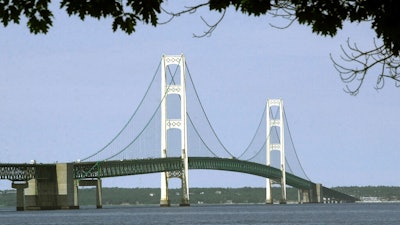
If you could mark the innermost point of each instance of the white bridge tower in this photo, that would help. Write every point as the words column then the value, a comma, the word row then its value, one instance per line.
column 278, row 145
column 169, row 86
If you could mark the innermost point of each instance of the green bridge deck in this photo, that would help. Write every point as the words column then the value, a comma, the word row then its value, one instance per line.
column 144, row 166
column 104, row 169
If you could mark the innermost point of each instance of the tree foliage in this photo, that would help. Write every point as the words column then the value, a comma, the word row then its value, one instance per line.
column 325, row 17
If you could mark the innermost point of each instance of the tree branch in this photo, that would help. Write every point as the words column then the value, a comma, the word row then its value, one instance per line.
column 211, row 27
column 284, row 10
column 360, row 62
column 189, row 9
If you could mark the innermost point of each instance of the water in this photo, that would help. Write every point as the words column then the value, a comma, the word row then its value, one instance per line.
column 308, row 214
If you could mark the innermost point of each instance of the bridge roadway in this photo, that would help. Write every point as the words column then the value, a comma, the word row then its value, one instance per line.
column 144, row 166
column 104, row 169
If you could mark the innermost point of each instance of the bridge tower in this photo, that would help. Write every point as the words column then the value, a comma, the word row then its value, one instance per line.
column 170, row 86
column 278, row 145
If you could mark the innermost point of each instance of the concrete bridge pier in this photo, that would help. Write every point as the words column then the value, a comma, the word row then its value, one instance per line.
column 52, row 188
column 331, row 200
column 97, row 183
column 99, row 195
column 328, row 200
column 313, row 195
column 303, row 196
column 76, row 190
column 20, row 194
column 318, row 196
column 299, row 196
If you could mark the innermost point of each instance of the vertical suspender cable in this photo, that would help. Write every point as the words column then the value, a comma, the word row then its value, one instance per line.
column 291, row 141
column 130, row 119
column 208, row 121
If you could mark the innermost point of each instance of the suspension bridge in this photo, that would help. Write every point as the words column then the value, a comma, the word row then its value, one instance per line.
column 168, row 136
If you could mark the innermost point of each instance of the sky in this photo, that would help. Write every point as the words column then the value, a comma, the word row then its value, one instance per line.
column 65, row 94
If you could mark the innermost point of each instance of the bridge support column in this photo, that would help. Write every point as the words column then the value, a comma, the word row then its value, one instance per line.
column 98, row 185
column 301, row 197
column 164, row 201
column 20, row 194
column 298, row 196
column 304, row 196
column 76, row 196
column 99, row 194
column 268, row 192
column 174, row 86
column 318, row 194
column 65, row 186
column 283, row 192
column 307, row 196
column 184, row 179
column 277, row 146
column 52, row 189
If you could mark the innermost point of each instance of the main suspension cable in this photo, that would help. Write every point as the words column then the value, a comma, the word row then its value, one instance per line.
column 258, row 152
column 198, row 134
column 205, row 114
column 151, row 118
column 255, row 134
column 291, row 141
column 265, row 141
column 130, row 119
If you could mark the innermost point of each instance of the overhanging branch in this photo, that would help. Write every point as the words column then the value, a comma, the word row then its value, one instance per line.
column 357, row 63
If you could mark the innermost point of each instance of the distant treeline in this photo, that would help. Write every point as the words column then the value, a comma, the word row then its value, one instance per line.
column 380, row 193
column 116, row 196
column 135, row 196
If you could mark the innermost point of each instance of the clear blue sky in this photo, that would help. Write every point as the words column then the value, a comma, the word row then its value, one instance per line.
column 65, row 94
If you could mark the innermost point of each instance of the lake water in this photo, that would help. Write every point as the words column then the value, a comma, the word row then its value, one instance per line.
column 308, row 214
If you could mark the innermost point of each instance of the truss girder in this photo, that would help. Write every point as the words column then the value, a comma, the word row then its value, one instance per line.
column 336, row 195
column 144, row 166
column 18, row 172
column 25, row 172
column 126, row 167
